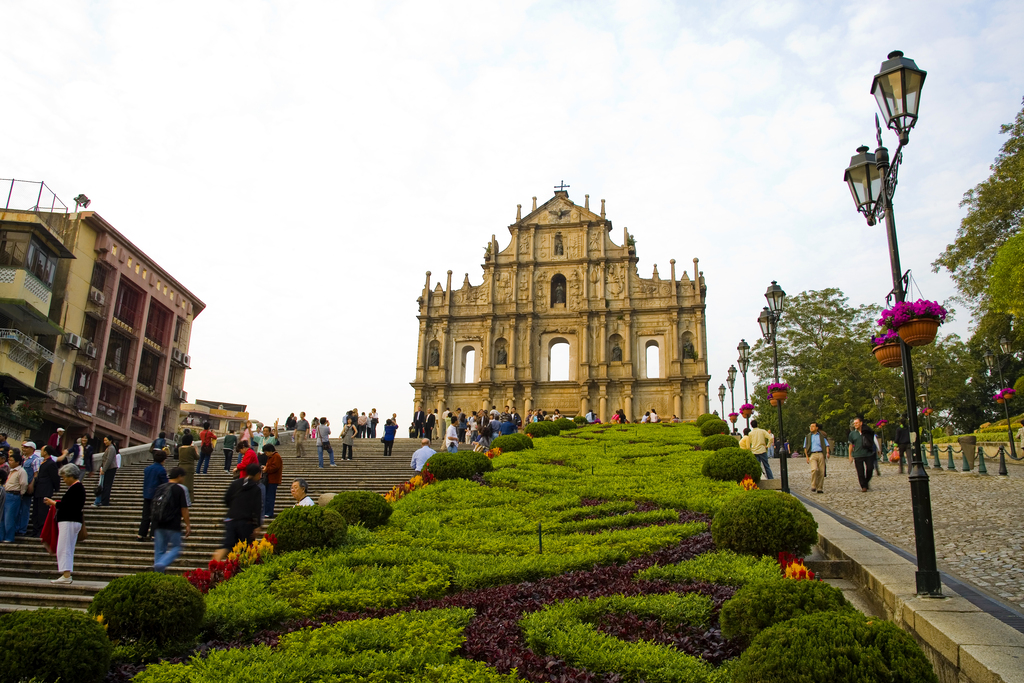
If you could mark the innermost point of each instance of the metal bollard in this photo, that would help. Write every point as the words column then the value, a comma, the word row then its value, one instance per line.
column 935, row 454
column 950, row 465
column 966, row 467
column 981, row 461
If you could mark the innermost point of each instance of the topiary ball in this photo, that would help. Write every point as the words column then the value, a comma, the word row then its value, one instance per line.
column 564, row 423
column 158, row 608
column 716, row 441
column 761, row 604
column 366, row 507
column 53, row 644
column 579, row 420
column 764, row 523
column 512, row 442
column 835, row 647
column 542, row 428
column 462, row 465
column 731, row 464
column 311, row 526
column 715, row 426
column 704, row 418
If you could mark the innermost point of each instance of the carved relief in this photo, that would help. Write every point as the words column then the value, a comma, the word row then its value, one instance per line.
column 575, row 292
column 615, row 282
column 524, row 244
column 503, row 288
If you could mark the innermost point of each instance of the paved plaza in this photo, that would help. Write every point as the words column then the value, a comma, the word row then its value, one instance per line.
column 978, row 534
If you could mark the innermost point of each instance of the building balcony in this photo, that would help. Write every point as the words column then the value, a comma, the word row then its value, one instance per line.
column 19, row 288
column 155, row 346
column 22, row 356
column 123, row 326
column 143, row 388
column 141, row 427
column 109, row 413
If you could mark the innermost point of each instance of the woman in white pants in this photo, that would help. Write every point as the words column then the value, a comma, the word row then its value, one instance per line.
column 69, row 520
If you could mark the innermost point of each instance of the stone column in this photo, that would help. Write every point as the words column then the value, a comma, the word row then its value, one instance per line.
column 628, row 399
column 603, row 410
column 584, row 405
column 677, row 405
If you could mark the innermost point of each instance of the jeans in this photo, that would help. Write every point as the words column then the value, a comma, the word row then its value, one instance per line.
column 763, row 459
column 320, row 448
column 203, row 462
column 228, row 459
column 12, row 515
column 453, row 446
column 147, row 513
column 388, row 445
column 166, row 548
column 271, row 498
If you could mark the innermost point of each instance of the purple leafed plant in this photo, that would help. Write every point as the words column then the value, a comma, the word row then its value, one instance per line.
column 890, row 337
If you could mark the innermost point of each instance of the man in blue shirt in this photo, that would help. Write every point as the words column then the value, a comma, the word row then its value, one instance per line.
column 507, row 427
column 152, row 478
column 421, row 456
column 816, row 449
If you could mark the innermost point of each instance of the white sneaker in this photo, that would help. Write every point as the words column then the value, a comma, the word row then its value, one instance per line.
column 62, row 579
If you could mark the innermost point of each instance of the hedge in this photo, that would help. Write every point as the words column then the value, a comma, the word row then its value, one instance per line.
column 310, row 526
column 764, row 603
column 715, row 426
column 765, row 523
column 461, row 465
column 362, row 507
column 512, row 442
column 731, row 464
column 717, row 441
column 48, row 645
column 164, row 610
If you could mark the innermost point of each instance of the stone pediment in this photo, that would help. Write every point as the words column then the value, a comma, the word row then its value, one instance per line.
column 559, row 210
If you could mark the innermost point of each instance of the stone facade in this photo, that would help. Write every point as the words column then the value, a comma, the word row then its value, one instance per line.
column 562, row 279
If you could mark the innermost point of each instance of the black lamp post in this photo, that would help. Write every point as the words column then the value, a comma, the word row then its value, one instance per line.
column 769, row 322
column 929, row 370
column 997, row 363
column 872, row 182
column 721, row 398
column 731, row 379
column 744, row 363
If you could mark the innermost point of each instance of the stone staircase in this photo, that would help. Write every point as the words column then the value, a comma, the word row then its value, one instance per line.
column 111, row 549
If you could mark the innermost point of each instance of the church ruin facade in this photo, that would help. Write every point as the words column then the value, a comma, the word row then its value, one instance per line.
column 562, row 284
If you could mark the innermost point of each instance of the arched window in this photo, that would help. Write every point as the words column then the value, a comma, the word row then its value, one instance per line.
column 501, row 352
column 434, row 355
column 468, row 365
column 653, row 360
column 558, row 360
column 558, row 290
column 615, row 348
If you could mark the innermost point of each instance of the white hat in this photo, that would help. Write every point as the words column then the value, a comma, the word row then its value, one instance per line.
column 60, row 429
column 30, row 444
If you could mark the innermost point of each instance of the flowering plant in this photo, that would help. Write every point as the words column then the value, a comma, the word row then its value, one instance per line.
column 776, row 386
column 216, row 572
column 889, row 337
column 881, row 423
column 905, row 311
column 493, row 453
column 927, row 411
column 734, row 416
column 248, row 554
column 417, row 482
column 793, row 567
column 747, row 406
column 1004, row 394
column 748, row 484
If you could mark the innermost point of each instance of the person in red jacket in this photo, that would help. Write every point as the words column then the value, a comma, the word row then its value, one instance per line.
column 248, row 458
column 272, row 473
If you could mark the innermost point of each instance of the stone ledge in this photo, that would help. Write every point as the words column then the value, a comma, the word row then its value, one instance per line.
column 963, row 643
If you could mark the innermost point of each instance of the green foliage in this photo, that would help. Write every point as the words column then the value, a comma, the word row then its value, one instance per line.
column 461, row 465
column 512, row 442
column 704, row 418
column 716, row 441
column 765, row 523
column 716, row 426
column 722, row 566
column 564, row 423
column 542, row 428
column 764, row 603
column 1006, row 276
column 49, row 645
column 731, row 464
column 407, row 646
column 364, row 507
column 580, row 420
column 834, row 647
column 566, row 630
column 165, row 610
column 311, row 526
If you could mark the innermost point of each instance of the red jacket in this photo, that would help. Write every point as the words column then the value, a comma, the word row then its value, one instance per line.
column 274, row 468
column 248, row 459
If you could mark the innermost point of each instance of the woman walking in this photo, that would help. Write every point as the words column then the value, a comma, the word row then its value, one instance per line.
column 347, row 436
column 187, row 459
column 389, row 436
column 108, row 468
column 69, row 520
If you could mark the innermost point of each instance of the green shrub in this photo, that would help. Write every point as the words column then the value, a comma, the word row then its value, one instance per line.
column 564, row 423
column 717, row 441
column 462, row 465
column 311, row 526
column 764, row 523
column 542, row 428
column 715, row 426
column 764, row 603
column 361, row 506
column 834, row 647
column 580, row 420
column 53, row 644
column 512, row 442
column 721, row 566
column 705, row 418
column 165, row 610
column 731, row 464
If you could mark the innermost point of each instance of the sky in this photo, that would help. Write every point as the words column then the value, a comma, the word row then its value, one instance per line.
column 300, row 165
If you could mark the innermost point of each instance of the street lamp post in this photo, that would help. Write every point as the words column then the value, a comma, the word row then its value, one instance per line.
column 721, row 398
column 997, row 363
column 769, row 322
column 744, row 362
column 731, row 379
column 929, row 370
column 872, row 182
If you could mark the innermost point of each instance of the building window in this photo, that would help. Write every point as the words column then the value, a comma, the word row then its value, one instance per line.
column 149, row 368
column 467, row 368
column 653, row 360
column 129, row 305
column 90, row 330
column 82, row 379
column 158, row 325
column 118, row 351
column 558, row 361
column 179, row 324
column 99, row 276
column 13, row 248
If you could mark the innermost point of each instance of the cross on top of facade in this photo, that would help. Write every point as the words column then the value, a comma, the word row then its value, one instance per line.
column 561, row 187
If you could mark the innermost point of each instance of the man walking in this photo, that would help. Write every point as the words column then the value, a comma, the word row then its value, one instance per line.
column 902, row 442
column 759, row 440
column 862, row 453
column 301, row 430
column 207, row 442
column 419, row 421
column 422, row 455
column 451, row 437
column 244, row 501
column 428, row 427
column 153, row 477
column 816, row 450
column 228, row 445
column 108, row 468
column 172, row 509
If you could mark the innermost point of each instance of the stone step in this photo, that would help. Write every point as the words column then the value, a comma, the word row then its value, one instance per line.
column 37, row 600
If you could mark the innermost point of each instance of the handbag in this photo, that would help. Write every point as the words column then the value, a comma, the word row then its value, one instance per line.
column 383, row 440
column 98, row 491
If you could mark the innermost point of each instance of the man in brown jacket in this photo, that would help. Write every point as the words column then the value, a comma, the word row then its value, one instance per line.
column 272, row 473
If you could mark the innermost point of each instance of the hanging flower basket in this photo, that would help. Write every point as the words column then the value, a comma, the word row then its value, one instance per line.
column 919, row 331
column 778, row 391
column 1004, row 395
column 733, row 416
column 917, row 323
column 888, row 355
column 746, row 410
column 773, row 402
column 881, row 423
column 927, row 411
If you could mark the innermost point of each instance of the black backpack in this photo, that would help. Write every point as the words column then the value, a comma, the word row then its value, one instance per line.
column 163, row 508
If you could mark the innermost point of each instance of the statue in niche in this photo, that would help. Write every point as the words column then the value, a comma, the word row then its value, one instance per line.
column 689, row 351
column 435, row 357
column 616, row 353
column 501, row 355
column 558, row 291
column 559, row 249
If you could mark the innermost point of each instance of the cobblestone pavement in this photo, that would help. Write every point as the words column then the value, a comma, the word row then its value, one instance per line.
column 978, row 534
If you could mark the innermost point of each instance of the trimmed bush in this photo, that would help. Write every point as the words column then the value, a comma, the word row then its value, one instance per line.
column 149, row 607
column 704, row 418
column 720, row 566
column 462, row 465
column 564, row 423
column 764, row 523
column 715, row 426
column 761, row 604
column 717, row 441
column 731, row 464
column 54, row 644
column 512, row 442
column 361, row 506
column 312, row 526
column 542, row 428
column 834, row 647
column 580, row 420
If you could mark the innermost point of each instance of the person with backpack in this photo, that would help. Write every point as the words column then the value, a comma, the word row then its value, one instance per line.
column 153, row 478
column 159, row 443
column 862, row 452
column 170, row 508
column 207, row 442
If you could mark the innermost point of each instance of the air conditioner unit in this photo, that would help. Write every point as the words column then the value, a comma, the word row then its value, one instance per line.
column 96, row 296
column 73, row 340
column 91, row 350
column 176, row 356
column 187, row 361
column 181, row 395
